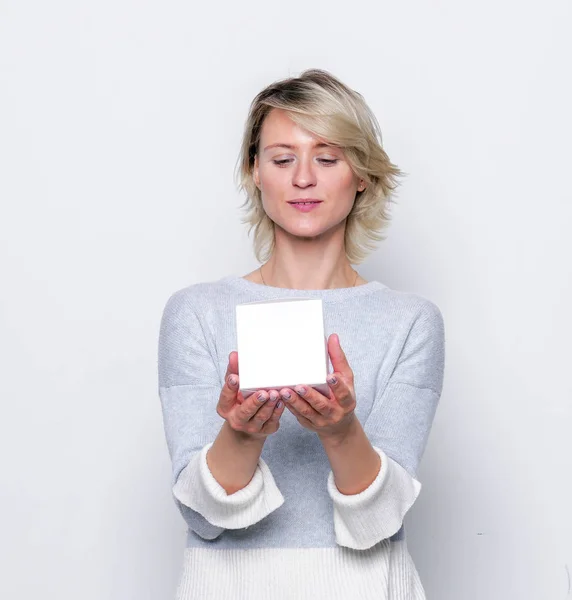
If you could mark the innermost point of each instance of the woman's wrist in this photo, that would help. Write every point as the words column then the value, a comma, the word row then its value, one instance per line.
column 244, row 438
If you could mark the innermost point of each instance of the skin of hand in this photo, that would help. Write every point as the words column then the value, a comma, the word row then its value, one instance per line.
column 256, row 416
column 328, row 417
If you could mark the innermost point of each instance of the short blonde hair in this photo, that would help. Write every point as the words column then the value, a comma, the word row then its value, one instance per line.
column 323, row 105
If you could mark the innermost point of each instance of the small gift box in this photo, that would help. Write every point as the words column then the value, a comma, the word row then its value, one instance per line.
column 281, row 343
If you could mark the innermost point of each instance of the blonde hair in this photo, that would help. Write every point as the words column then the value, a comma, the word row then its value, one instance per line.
column 322, row 104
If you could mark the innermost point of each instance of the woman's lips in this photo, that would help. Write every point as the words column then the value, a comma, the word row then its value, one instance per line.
column 305, row 206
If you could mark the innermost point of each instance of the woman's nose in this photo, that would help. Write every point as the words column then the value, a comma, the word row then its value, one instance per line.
column 304, row 174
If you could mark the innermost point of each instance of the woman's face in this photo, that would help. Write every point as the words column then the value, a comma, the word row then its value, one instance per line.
column 307, row 169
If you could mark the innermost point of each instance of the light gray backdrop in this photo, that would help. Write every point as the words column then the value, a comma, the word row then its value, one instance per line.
column 120, row 124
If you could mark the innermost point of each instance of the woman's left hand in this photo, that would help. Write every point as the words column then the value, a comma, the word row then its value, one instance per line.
column 326, row 416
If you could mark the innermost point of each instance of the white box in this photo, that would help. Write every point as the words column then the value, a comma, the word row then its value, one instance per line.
column 281, row 343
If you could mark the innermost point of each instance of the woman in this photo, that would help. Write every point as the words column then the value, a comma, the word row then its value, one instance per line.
column 289, row 493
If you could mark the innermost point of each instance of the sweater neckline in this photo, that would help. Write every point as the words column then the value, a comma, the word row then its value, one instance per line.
column 333, row 294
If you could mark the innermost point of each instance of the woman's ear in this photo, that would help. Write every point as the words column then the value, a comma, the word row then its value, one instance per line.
column 255, row 174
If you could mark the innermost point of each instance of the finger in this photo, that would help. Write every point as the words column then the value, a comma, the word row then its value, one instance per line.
column 270, row 425
column 293, row 400
column 233, row 361
column 250, row 406
column 264, row 412
column 317, row 401
column 341, row 391
column 232, row 366
column 228, row 394
column 305, row 422
column 338, row 356
column 232, row 393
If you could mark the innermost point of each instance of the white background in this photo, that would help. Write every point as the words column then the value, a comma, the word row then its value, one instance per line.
column 120, row 124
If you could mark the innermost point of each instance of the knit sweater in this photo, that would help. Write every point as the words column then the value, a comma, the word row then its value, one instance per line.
column 290, row 533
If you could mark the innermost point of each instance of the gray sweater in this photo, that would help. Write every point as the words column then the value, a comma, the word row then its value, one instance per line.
column 394, row 342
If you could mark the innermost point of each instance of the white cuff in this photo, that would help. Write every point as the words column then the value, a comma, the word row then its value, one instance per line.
column 197, row 488
column 362, row 520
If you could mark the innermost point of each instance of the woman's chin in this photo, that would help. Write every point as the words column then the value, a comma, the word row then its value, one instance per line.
column 307, row 231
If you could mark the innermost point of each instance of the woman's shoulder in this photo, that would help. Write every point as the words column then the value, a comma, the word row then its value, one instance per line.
column 197, row 296
column 412, row 301
column 402, row 303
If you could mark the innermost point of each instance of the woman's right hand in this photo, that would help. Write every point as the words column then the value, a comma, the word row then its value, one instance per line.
column 252, row 416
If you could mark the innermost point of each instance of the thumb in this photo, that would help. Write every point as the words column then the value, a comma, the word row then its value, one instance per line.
column 232, row 365
column 229, row 392
column 337, row 355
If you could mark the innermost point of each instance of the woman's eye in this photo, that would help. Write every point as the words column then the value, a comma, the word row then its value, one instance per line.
column 326, row 161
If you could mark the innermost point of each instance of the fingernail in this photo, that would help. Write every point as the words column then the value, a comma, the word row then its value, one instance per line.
column 286, row 395
column 301, row 390
column 332, row 380
column 261, row 397
column 232, row 380
column 279, row 404
column 274, row 395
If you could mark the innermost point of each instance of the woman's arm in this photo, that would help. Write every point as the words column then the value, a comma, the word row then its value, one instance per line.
column 233, row 458
column 397, row 430
column 355, row 463
column 189, row 389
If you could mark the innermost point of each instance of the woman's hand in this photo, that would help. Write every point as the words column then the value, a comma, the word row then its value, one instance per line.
column 326, row 416
column 258, row 415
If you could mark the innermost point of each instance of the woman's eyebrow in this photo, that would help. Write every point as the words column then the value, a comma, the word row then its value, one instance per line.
column 293, row 147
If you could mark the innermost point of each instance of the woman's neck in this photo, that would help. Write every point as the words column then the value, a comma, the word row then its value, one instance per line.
column 308, row 264
column 307, row 272
column 307, row 277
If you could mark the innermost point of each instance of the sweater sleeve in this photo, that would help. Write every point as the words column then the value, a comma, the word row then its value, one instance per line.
column 398, row 428
column 189, row 389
